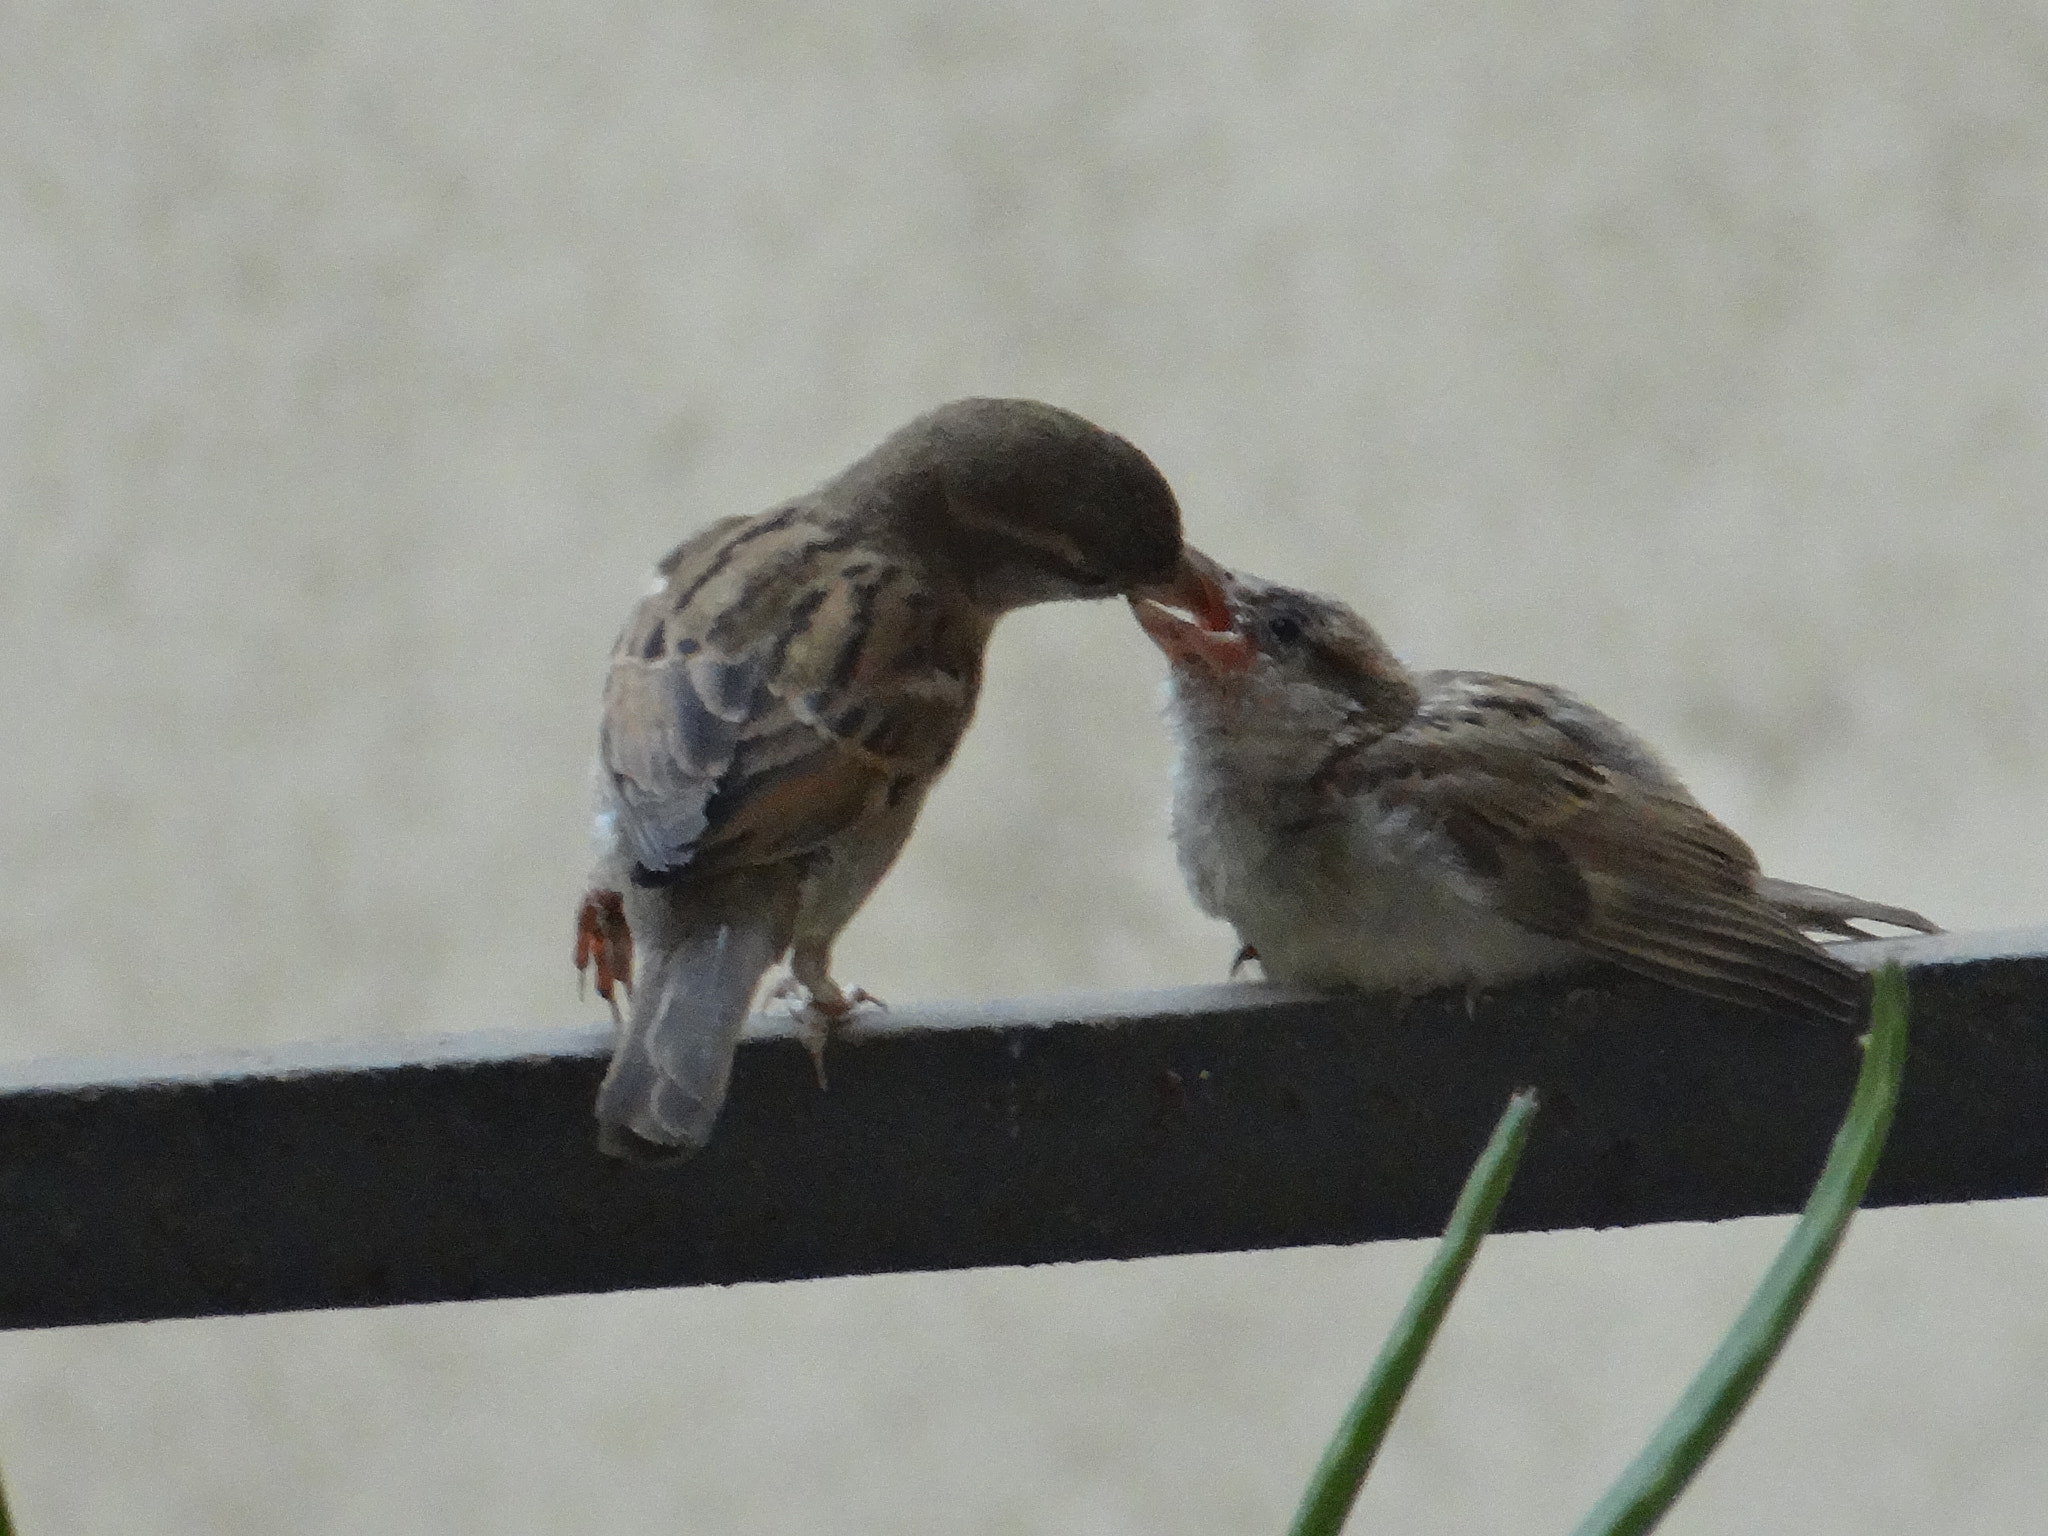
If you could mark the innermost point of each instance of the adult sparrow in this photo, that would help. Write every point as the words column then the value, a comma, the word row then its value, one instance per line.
column 781, row 701
column 1363, row 825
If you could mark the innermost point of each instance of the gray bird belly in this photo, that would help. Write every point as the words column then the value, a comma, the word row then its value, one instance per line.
column 1332, row 909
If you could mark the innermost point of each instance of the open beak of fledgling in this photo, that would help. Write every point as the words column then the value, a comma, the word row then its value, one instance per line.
column 1188, row 617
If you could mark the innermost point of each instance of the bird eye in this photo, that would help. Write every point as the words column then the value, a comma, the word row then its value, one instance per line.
column 1284, row 628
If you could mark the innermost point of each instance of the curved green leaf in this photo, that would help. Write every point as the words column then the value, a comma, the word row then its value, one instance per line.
column 1357, row 1441
column 1642, row 1494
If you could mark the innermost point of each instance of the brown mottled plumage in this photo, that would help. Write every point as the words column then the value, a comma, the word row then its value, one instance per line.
column 779, row 704
column 1363, row 825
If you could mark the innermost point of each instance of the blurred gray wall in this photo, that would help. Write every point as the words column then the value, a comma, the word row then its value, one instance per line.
column 357, row 359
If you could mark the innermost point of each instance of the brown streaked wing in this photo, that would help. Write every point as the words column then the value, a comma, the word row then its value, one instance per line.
column 793, row 787
column 765, row 699
column 789, row 789
column 1567, row 840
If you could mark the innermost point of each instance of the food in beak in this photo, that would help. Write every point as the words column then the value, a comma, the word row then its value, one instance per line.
column 1208, row 638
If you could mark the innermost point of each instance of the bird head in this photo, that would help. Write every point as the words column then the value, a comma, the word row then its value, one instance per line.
column 1257, row 643
column 1028, row 503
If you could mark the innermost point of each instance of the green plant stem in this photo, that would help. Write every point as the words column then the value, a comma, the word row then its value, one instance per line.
column 1650, row 1484
column 1350, row 1455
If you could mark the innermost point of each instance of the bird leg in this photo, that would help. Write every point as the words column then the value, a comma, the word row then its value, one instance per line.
column 824, row 1002
column 1243, row 957
column 604, row 940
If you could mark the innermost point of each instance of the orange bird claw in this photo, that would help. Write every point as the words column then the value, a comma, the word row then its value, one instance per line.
column 605, row 941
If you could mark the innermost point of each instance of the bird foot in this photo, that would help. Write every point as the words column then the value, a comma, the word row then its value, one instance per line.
column 604, row 943
column 817, row 1010
column 1238, row 963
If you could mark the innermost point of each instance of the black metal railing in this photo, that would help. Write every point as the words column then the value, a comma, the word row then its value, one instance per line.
column 1227, row 1117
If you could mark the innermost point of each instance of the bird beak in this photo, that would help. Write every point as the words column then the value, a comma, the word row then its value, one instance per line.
column 1208, row 638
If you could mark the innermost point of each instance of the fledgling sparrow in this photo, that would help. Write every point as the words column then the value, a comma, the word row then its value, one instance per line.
column 779, row 704
column 1363, row 825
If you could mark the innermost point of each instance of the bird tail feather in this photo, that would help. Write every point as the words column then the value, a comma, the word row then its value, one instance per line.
column 1823, row 911
column 673, row 1057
